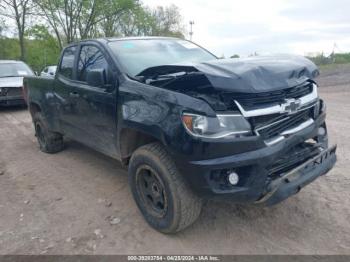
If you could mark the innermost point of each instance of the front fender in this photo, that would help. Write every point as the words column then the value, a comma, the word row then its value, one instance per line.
column 157, row 112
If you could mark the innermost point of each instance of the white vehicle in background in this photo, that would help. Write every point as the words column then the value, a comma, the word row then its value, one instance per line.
column 11, row 82
column 49, row 71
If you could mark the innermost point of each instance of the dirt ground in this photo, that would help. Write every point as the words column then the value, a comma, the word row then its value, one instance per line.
column 64, row 203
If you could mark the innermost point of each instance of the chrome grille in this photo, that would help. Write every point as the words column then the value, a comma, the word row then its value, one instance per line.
column 264, row 98
column 284, row 123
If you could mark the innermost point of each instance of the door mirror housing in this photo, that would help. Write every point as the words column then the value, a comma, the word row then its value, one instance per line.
column 96, row 77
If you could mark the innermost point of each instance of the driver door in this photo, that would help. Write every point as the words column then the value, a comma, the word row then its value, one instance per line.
column 96, row 104
column 87, row 112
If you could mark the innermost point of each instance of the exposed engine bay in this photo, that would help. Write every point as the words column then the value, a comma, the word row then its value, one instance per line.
column 218, row 81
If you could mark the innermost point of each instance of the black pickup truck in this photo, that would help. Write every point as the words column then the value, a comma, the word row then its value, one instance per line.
column 188, row 126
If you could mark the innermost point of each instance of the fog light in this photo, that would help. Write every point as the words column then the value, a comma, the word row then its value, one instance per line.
column 321, row 131
column 233, row 178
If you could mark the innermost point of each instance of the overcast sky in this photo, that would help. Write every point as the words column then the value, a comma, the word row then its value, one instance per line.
column 266, row 26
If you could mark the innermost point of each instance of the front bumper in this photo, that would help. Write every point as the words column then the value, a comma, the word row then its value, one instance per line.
column 292, row 182
column 254, row 169
column 12, row 100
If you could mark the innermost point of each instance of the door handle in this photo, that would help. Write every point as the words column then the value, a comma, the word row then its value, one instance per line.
column 74, row 94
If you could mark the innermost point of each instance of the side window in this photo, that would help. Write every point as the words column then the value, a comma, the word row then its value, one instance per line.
column 46, row 69
column 90, row 58
column 67, row 64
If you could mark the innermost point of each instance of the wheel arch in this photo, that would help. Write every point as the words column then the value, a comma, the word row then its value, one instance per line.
column 34, row 108
column 131, row 139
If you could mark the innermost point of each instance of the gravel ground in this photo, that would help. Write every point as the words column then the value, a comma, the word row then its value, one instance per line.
column 334, row 75
column 78, row 201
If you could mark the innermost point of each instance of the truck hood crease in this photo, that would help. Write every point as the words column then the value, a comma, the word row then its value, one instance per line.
column 248, row 75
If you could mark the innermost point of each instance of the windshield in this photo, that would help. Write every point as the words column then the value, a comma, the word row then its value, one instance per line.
column 138, row 55
column 14, row 70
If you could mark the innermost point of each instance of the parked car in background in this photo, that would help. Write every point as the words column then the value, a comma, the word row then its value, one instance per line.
column 49, row 71
column 11, row 82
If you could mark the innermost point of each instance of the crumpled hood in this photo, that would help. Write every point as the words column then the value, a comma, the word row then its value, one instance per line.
column 11, row 81
column 258, row 74
column 250, row 75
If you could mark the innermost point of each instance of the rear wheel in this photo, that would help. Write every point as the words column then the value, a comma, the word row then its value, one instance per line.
column 49, row 142
column 162, row 195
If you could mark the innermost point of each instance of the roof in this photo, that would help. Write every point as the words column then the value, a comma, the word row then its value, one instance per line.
column 138, row 38
column 112, row 39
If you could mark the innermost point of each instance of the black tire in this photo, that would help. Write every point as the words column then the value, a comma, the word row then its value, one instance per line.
column 49, row 142
column 160, row 192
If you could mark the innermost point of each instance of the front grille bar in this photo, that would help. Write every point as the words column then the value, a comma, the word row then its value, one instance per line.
column 302, row 102
column 288, row 132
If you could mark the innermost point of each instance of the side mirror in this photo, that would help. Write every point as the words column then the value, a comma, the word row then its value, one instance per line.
column 96, row 77
column 52, row 73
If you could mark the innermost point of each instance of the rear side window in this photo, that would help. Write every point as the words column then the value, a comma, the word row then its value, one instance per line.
column 90, row 58
column 67, row 64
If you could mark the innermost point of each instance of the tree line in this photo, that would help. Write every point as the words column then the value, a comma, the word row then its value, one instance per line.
column 333, row 58
column 44, row 27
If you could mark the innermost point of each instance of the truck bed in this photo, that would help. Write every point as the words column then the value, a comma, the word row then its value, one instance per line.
column 35, row 88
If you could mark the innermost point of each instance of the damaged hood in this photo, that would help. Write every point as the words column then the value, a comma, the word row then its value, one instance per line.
column 248, row 75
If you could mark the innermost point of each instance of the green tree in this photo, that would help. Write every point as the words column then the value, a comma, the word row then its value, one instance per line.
column 167, row 21
column 97, row 12
column 2, row 26
column 80, row 19
column 64, row 21
column 137, row 22
column 142, row 21
column 62, row 16
column 43, row 48
column 19, row 11
column 113, row 13
column 9, row 49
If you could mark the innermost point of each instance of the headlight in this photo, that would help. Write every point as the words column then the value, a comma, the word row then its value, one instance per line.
column 216, row 127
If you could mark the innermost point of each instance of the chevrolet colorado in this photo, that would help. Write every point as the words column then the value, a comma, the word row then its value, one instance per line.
column 187, row 125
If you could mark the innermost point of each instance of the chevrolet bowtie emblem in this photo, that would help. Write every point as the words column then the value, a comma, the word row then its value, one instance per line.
column 290, row 106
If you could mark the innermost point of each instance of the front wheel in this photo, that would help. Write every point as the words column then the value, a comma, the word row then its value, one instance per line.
column 160, row 192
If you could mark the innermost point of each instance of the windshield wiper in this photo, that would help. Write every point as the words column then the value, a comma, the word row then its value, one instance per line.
column 136, row 78
column 167, row 76
column 155, row 77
